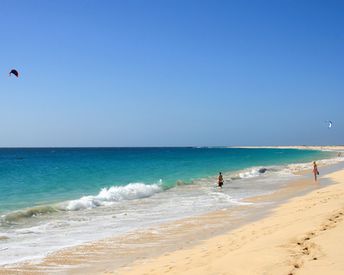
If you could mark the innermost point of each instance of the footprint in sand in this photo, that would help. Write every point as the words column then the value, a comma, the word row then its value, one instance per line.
column 296, row 265
column 306, row 251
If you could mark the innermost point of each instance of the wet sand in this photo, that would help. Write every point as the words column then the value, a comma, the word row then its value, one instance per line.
column 119, row 255
column 202, row 244
column 302, row 236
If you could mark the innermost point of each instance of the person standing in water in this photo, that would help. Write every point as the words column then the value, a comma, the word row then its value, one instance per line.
column 315, row 170
column 220, row 180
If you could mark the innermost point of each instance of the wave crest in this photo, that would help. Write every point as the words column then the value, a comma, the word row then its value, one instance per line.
column 252, row 172
column 106, row 196
column 113, row 194
column 28, row 213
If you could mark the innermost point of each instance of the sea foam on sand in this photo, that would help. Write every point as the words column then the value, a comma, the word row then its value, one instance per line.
column 305, row 236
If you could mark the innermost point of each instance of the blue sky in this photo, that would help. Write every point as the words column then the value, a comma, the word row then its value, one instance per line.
column 171, row 73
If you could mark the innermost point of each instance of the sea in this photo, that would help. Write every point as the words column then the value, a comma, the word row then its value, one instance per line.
column 53, row 198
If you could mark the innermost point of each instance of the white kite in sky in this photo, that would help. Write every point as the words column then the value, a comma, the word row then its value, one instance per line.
column 329, row 124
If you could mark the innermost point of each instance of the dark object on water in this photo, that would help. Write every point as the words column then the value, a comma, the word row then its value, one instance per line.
column 262, row 170
column 15, row 72
column 19, row 158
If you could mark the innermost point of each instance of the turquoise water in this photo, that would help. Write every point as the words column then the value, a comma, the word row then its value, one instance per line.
column 31, row 177
column 54, row 198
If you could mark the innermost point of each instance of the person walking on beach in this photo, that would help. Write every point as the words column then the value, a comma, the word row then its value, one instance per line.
column 220, row 180
column 315, row 170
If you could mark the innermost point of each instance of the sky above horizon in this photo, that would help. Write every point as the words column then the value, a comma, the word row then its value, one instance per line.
column 171, row 73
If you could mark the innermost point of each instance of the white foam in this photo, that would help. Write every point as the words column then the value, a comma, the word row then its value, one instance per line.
column 251, row 173
column 297, row 167
column 65, row 229
column 224, row 197
column 108, row 196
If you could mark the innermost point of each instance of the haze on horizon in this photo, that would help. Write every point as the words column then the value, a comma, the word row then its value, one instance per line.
column 171, row 73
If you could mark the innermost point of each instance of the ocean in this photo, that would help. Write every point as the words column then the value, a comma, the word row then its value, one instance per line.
column 51, row 198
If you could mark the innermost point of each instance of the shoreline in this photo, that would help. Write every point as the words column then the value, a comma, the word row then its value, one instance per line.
column 300, row 147
column 301, row 236
column 75, row 259
column 105, row 254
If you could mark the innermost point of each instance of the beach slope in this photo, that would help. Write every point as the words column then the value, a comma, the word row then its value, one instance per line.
column 302, row 236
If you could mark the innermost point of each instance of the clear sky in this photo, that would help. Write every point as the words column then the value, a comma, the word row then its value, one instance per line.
column 171, row 72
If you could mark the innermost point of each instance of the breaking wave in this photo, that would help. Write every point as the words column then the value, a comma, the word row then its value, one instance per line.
column 108, row 196
column 132, row 191
column 28, row 213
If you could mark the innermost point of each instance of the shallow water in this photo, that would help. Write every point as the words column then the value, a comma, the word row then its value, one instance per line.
column 53, row 198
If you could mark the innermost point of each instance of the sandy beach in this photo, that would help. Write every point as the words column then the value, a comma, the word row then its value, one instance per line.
column 172, row 137
column 295, row 230
column 303, row 236
column 301, row 147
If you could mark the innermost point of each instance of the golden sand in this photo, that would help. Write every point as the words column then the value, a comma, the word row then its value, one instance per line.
column 303, row 236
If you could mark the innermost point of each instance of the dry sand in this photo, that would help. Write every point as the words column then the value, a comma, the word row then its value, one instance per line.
column 302, row 147
column 303, row 236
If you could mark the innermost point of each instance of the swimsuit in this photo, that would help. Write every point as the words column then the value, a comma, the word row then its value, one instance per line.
column 220, row 181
